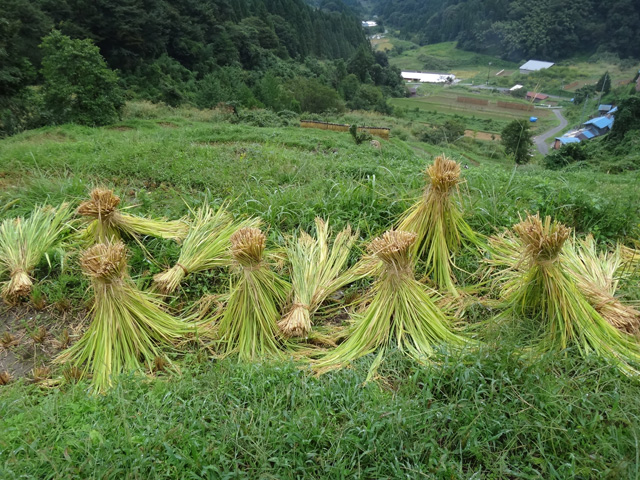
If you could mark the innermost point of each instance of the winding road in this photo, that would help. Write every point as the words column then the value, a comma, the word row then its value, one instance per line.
column 541, row 140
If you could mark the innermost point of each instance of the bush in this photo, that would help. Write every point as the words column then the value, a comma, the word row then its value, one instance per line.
column 78, row 85
column 567, row 154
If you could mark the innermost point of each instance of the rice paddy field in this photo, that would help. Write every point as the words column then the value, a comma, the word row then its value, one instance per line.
column 488, row 410
column 435, row 104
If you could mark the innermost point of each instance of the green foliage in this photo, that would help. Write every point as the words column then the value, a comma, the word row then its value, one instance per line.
column 627, row 119
column 567, row 154
column 78, row 85
column 314, row 97
column 359, row 137
column 604, row 84
column 517, row 140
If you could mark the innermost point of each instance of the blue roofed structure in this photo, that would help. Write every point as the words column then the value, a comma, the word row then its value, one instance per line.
column 601, row 124
column 587, row 134
column 604, row 108
column 560, row 141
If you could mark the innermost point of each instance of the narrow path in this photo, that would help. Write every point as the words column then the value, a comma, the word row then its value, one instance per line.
column 541, row 140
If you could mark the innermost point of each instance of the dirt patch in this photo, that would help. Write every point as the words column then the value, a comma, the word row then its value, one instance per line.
column 121, row 128
column 49, row 137
column 482, row 135
column 167, row 124
column 30, row 339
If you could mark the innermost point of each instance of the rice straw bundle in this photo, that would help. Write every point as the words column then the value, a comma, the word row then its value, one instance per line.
column 401, row 311
column 437, row 221
column 23, row 242
column 128, row 325
column 205, row 247
column 595, row 274
column 110, row 223
column 248, row 325
column 544, row 289
column 316, row 273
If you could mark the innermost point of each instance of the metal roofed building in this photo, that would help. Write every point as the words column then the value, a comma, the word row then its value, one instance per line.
column 601, row 125
column 534, row 66
column 428, row 77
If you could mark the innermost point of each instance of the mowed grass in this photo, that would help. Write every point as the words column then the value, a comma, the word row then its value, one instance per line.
column 486, row 414
column 461, row 63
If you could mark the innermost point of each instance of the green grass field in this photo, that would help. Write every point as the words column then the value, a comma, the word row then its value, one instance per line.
column 485, row 413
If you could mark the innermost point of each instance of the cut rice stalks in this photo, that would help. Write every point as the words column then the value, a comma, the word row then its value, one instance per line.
column 544, row 289
column 205, row 247
column 595, row 273
column 316, row 273
column 23, row 243
column 249, row 323
column 401, row 312
column 128, row 326
column 108, row 223
column 437, row 221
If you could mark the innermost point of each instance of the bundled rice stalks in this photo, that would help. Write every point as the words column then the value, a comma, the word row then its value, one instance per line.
column 205, row 247
column 437, row 221
column 248, row 325
column 544, row 289
column 630, row 256
column 128, row 325
column 401, row 311
column 109, row 223
column 596, row 274
column 23, row 242
column 316, row 273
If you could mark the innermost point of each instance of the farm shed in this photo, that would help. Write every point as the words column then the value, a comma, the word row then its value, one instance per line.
column 599, row 125
column 536, row 97
column 534, row 66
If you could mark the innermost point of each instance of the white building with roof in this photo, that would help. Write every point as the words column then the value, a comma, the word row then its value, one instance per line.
column 535, row 66
column 423, row 77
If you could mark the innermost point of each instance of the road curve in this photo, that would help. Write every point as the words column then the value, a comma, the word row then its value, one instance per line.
column 541, row 140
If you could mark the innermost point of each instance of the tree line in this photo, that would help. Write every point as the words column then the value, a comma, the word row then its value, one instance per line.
column 518, row 29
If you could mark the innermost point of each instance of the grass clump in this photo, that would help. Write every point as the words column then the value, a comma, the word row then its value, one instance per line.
column 546, row 290
column 128, row 325
column 316, row 273
column 249, row 323
column 437, row 221
column 400, row 312
column 23, row 243
column 109, row 223
column 205, row 247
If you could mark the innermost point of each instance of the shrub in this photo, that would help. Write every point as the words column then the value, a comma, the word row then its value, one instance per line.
column 78, row 85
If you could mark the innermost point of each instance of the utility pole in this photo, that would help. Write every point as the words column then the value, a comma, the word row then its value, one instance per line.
column 583, row 109
column 488, row 72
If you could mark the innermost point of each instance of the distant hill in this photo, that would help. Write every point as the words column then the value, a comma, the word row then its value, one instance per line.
column 517, row 29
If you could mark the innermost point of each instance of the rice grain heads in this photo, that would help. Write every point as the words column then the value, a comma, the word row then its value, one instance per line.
column 401, row 311
column 107, row 222
column 437, row 221
column 128, row 326
column 248, row 324
column 316, row 272
column 205, row 247
column 545, row 292
column 23, row 243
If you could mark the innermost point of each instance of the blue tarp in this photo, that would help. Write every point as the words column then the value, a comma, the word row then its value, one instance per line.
column 533, row 119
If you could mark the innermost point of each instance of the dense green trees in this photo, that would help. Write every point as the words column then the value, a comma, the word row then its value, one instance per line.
column 517, row 140
column 279, row 54
column 517, row 29
column 78, row 85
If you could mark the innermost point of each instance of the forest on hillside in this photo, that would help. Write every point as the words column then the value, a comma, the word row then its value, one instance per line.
column 279, row 54
column 517, row 29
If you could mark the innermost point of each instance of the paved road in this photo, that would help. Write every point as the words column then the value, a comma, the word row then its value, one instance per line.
column 541, row 140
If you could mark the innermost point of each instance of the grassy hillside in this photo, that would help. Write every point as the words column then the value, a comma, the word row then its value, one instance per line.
column 485, row 413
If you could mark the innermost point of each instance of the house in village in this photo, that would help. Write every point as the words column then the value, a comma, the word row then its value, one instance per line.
column 595, row 127
column 534, row 66
column 536, row 97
